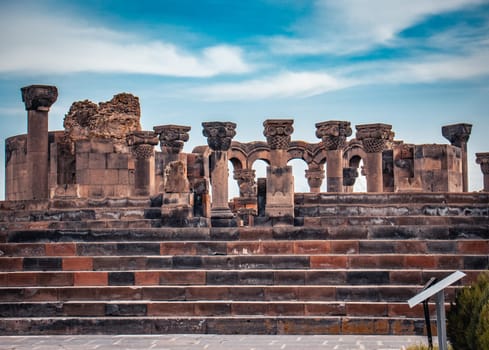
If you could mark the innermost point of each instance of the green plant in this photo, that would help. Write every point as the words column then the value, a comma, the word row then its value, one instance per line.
column 468, row 317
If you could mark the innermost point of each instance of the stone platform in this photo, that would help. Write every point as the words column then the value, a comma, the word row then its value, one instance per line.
column 108, row 267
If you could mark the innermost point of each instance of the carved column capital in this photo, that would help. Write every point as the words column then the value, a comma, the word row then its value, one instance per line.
column 457, row 134
column 278, row 132
column 483, row 160
column 142, row 143
column 315, row 177
column 333, row 133
column 374, row 136
column 219, row 134
column 39, row 97
column 172, row 137
column 246, row 182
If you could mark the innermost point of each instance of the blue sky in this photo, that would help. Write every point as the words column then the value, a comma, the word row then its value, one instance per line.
column 415, row 64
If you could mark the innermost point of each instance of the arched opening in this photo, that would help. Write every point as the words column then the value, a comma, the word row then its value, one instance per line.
column 299, row 168
column 260, row 168
column 233, row 188
column 360, row 184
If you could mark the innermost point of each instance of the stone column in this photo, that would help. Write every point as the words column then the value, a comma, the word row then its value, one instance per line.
column 246, row 182
column 280, row 181
column 177, row 199
column 172, row 139
column 38, row 100
column 483, row 160
column 142, row 143
column 458, row 135
column 315, row 177
column 333, row 135
column 374, row 138
column 219, row 136
column 246, row 205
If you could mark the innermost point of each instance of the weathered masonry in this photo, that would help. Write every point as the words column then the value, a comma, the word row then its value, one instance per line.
column 104, row 153
column 108, row 228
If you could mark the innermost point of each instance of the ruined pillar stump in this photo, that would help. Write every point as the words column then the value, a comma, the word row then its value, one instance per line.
column 219, row 136
column 483, row 160
column 315, row 177
column 280, row 180
column 142, row 143
column 333, row 135
column 458, row 135
column 38, row 100
column 177, row 207
column 374, row 138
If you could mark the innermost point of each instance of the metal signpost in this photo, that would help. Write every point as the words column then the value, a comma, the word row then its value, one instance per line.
column 438, row 289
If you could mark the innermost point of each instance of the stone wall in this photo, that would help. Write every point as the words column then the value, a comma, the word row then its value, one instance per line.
column 16, row 171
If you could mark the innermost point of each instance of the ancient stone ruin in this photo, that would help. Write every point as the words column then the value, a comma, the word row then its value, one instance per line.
column 104, row 232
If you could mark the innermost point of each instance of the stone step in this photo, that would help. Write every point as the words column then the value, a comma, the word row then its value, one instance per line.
column 245, row 262
column 286, row 293
column 209, row 308
column 83, row 225
column 213, row 325
column 399, row 198
column 257, row 246
column 175, row 277
column 388, row 210
column 375, row 232
column 74, row 215
column 79, row 203
column 409, row 220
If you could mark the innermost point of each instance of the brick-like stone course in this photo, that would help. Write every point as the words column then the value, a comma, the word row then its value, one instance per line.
column 108, row 259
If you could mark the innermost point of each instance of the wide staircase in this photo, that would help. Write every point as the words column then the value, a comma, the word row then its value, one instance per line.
column 348, row 266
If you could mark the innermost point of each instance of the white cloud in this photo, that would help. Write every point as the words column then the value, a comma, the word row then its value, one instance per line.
column 423, row 70
column 42, row 43
column 286, row 84
column 310, row 83
column 347, row 26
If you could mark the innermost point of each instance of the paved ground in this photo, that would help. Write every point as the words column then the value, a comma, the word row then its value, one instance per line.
column 211, row 342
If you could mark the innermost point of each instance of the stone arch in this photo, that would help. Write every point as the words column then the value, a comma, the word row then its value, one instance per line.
column 353, row 156
column 248, row 153
column 314, row 155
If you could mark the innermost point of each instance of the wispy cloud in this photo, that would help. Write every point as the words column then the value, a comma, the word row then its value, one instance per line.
column 349, row 26
column 43, row 43
column 310, row 83
column 285, row 84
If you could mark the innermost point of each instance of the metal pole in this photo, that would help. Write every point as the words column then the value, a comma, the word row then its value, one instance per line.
column 426, row 309
column 440, row 320
column 428, row 324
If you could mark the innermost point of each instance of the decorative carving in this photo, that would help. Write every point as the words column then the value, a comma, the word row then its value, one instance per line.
column 39, row 97
column 315, row 177
column 374, row 136
column 349, row 176
column 219, row 134
column 333, row 134
column 176, row 178
column 113, row 120
column 143, row 151
column 483, row 160
column 457, row 134
column 246, row 182
column 277, row 132
column 142, row 143
column 172, row 137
